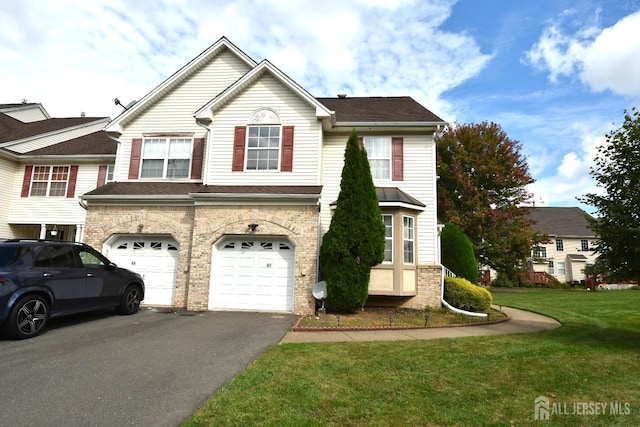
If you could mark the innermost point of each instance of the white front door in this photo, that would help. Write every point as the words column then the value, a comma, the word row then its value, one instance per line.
column 252, row 274
column 156, row 259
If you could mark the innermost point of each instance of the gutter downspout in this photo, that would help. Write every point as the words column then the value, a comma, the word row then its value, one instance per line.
column 449, row 306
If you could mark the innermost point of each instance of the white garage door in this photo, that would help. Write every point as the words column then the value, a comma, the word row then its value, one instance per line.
column 156, row 259
column 252, row 274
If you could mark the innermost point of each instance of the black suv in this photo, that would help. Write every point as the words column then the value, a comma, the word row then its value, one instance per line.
column 42, row 279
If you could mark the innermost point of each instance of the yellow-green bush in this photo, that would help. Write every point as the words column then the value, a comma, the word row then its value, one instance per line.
column 464, row 295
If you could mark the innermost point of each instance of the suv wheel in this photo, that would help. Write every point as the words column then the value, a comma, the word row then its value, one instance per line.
column 28, row 317
column 130, row 300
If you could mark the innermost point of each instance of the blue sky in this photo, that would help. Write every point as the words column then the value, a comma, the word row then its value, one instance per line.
column 556, row 75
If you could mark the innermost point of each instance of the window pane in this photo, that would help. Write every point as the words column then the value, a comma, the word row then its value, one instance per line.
column 41, row 173
column 154, row 148
column 408, row 252
column 178, row 168
column 408, row 243
column 152, row 168
column 180, row 149
column 39, row 189
column 58, row 189
column 388, row 243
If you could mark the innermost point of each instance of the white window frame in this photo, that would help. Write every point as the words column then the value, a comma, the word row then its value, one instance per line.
column 539, row 252
column 559, row 245
column 49, row 180
column 551, row 268
column 250, row 139
column 109, row 176
column 408, row 237
column 165, row 157
column 388, row 238
column 562, row 268
column 375, row 157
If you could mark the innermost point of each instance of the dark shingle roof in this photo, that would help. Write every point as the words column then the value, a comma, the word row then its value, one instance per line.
column 12, row 129
column 561, row 221
column 395, row 195
column 141, row 188
column 93, row 143
column 379, row 109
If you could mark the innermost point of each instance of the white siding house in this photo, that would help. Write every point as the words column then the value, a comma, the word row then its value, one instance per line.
column 225, row 179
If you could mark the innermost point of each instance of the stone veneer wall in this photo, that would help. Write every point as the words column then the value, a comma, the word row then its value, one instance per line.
column 429, row 288
column 104, row 221
column 197, row 229
column 298, row 223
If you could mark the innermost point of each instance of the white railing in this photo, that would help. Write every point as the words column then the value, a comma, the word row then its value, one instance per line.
column 448, row 273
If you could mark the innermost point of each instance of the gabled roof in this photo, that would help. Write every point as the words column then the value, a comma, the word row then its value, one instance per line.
column 223, row 43
column 12, row 130
column 93, row 143
column 561, row 221
column 375, row 109
column 250, row 77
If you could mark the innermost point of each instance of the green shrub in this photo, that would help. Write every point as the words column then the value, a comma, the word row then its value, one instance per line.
column 464, row 295
column 502, row 281
column 457, row 253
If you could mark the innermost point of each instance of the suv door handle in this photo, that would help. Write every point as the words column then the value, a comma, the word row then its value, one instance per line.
column 90, row 275
column 47, row 275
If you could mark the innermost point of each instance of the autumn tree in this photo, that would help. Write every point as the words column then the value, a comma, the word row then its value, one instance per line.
column 617, row 222
column 483, row 179
column 355, row 240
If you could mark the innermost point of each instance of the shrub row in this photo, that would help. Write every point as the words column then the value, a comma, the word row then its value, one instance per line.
column 464, row 295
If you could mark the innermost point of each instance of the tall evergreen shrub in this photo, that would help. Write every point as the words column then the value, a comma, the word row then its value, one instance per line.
column 457, row 253
column 356, row 237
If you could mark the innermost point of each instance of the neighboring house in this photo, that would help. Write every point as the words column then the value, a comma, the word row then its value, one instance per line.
column 570, row 248
column 45, row 164
column 225, row 179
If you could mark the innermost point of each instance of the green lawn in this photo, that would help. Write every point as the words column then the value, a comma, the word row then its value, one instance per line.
column 593, row 359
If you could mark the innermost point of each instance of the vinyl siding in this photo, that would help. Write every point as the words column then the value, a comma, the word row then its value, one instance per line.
column 174, row 111
column 50, row 210
column 419, row 182
column 267, row 92
column 571, row 247
column 8, row 172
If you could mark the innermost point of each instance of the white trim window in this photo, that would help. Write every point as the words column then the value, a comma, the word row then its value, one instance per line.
column 166, row 158
column 408, row 239
column 388, row 242
column 263, row 147
column 379, row 155
column 562, row 270
column 539, row 252
column 551, row 268
column 49, row 181
column 109, row 177
column 559, row 245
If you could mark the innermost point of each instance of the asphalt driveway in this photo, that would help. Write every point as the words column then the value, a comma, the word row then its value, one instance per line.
column 151, row 368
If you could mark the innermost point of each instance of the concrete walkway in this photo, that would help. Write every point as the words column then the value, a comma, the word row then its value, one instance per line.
column 520, row 322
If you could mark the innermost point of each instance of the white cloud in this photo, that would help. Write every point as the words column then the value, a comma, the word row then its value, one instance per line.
column 602, row 58
column 103, row 49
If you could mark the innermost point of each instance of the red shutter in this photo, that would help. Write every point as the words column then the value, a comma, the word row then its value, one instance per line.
column 73, row 176
column 134, row 161
column 26, row 182
column 196, row 158
column 286, row 161
column 102, row 175
column 397, row 159
column 239, row 137
column 361, row 142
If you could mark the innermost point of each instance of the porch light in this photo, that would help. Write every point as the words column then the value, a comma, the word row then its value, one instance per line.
column 54, row 232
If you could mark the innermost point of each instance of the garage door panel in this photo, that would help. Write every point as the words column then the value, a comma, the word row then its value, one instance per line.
column 156, row 259
column 263, row 274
